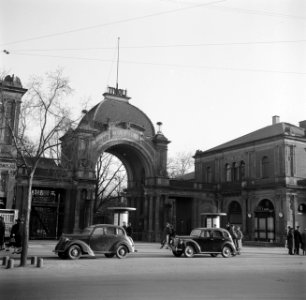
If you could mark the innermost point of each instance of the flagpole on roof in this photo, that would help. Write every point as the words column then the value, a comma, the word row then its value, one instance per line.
column 117, row 65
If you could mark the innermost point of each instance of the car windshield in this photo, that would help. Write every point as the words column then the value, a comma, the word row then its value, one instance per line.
column 195, row 232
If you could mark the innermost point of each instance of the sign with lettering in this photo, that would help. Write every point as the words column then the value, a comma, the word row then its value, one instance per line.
column 7, row 166
column 118, row 133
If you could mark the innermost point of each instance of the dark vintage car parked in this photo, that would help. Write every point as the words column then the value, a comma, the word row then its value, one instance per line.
column 106, row 239
column 211, row 241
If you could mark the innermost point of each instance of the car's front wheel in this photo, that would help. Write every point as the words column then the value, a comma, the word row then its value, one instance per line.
column 177, row 253
column 74, row 252
column 189, row 251
column 226, row 251
column 121, row 251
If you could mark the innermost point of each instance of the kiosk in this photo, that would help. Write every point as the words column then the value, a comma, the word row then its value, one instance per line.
column 212, row 219
column 121, row 214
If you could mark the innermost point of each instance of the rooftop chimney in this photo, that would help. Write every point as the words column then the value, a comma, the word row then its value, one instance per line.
column 302, row 124
column 275, row 120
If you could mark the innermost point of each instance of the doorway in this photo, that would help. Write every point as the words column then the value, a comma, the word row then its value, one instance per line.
column 264, row 221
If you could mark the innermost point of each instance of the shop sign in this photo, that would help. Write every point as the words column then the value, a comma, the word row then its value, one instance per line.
column 7, row 166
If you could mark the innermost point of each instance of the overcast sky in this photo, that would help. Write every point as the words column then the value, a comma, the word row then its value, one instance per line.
column 211, row 71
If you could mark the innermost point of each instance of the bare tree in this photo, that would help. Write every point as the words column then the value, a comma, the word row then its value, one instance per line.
column 180, row 164
column 111, row 180
column 43, row 118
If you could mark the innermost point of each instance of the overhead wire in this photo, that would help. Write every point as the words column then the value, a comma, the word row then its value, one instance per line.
column 168, row 46
column 242, row 10
column 113, row 22
column 171, row 65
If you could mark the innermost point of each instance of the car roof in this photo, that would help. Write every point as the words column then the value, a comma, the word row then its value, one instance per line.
column 208, row 228
column 104, row 225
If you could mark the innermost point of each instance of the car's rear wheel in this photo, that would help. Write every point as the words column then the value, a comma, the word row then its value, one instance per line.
column 121, row 251
column 74, row 252
column 189, row 251
column 109, row 255
column 214, row 254
column 177, row 253
column 226, row 251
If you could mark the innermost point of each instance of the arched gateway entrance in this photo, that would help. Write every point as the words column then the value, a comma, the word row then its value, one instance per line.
column 117, row 127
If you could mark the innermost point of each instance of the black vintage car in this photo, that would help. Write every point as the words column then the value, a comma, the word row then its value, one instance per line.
column 106, row 239
column 211, row 241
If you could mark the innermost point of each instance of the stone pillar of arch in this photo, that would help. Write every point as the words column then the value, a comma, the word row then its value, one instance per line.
column 77, row 209
column 157, row 218
column 68, row 208
column 150, row 218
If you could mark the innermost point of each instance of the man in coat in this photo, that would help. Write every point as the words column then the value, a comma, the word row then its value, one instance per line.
column 297, row 240
column 290, row 241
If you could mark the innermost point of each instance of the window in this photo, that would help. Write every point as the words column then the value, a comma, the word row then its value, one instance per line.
column 265, row 167
column 120, row 231
column 205, row 234
column 227, row 173
column 98, row 231
column 242, row 170
column 291, row 159
column 208, row 175
column 195, row 232
column 235, row 172
column 225, row 234
column 216, row 234
column 110, row 231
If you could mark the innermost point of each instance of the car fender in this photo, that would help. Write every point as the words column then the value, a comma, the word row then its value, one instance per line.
column 85, row 247
column 230, row 245
column 193, row 243
column 116, row 245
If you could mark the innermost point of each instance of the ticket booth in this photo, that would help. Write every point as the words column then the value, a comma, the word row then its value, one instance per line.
column 211, row 220
column 121, row 214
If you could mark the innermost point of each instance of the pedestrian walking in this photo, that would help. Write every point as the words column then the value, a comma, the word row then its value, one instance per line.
column 2, row 233
column 239, row 238
column 171, row 234
column 166, row 236
column 290, row 241
column 297, row 240
column 233, row 234
column 303, row 242
column 16, row 234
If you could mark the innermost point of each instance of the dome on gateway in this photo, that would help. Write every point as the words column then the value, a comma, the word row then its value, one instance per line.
column 116, row 109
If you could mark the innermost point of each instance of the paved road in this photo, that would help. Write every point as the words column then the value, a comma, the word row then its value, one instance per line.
column 259, row 273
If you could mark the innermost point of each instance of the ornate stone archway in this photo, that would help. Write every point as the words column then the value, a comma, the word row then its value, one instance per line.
column 117, row 127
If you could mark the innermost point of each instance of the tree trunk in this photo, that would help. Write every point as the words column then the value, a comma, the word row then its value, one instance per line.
column 26, row 223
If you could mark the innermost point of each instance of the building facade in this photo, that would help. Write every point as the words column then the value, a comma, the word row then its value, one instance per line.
column 257, row 180
column 11, row 92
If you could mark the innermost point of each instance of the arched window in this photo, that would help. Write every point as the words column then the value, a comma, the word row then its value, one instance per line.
column 235, row 172
column 242, row 170
column 265, row 167
column 235, row 213
column 228, row 173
